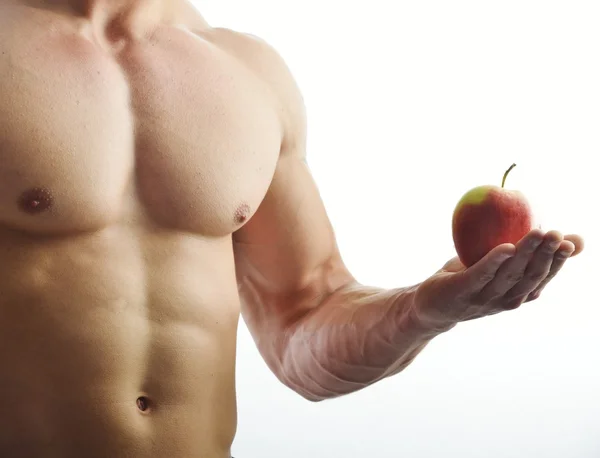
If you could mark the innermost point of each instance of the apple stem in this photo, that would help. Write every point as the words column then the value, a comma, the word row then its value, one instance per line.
column 506, row 173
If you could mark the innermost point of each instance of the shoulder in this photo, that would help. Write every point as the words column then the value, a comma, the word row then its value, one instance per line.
column 265, row 62
column 255, row 53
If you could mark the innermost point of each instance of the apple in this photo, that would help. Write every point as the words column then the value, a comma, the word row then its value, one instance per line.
column 487, row 216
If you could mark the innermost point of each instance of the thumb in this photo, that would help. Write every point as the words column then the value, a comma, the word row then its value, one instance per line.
column 453, row 265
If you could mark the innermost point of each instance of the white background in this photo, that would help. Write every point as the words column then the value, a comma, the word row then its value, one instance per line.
column 410, row 104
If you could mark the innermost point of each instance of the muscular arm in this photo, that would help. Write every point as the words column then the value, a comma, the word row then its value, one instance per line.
column 321, row 332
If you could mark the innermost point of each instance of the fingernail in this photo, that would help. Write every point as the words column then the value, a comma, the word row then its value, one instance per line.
column 537, row 242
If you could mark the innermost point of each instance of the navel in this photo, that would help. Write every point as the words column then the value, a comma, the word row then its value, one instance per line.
column 36, row 200
column 143, row 403
column 242, row 213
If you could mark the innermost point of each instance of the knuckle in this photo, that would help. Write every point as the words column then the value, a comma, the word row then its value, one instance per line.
column 537, row 275
column 486, row 277
column 514, row 277
column 513, row 304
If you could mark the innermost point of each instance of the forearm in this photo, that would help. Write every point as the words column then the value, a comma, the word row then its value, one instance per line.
column 355, row 337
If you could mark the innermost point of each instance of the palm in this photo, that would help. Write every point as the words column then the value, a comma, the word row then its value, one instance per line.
column 505, row 278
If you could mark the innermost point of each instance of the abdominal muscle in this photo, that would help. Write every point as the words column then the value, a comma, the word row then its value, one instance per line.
column 117, row 343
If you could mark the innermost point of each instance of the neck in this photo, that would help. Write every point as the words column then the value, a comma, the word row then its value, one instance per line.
column 129, row 17
column 92, row 8
column 117, row 19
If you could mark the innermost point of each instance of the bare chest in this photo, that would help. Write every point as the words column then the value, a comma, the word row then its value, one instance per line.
column 171, row 130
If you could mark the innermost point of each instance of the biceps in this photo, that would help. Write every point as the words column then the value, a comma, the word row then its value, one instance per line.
column 289, row 243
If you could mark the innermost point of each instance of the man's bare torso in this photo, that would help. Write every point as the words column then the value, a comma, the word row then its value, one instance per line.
column 130, row 151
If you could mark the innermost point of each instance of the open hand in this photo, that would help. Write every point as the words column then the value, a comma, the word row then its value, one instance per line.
column 505, row 278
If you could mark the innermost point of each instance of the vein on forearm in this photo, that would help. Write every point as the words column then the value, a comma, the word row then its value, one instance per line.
column 355, row 337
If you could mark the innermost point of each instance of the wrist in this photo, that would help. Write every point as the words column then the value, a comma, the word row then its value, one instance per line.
column 426, row 323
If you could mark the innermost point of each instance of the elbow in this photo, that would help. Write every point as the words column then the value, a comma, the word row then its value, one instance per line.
column 308, row 395
column 302, row 390
column 314, row 399
column 313, row 396
column 309, row 390
column 297, row 371
column 303, row 386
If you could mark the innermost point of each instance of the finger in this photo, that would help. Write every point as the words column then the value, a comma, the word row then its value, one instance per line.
column 577, row 241
column 538, row 268
column 564, row 252
column 483, row 271
column 513, row 270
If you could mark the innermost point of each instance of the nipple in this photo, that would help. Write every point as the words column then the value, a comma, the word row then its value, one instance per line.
column 242, row 213
column 35, row 200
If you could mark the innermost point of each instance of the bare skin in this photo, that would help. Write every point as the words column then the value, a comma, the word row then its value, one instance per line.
column 153, row 183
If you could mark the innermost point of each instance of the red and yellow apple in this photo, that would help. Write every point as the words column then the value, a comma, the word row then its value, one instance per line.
column 487, row 216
